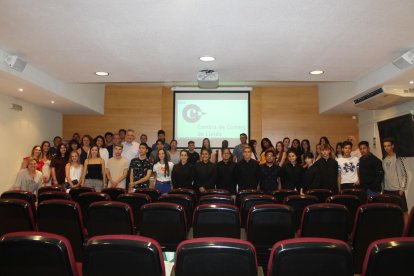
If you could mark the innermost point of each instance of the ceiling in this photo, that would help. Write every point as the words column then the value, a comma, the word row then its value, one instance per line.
column 254, row 42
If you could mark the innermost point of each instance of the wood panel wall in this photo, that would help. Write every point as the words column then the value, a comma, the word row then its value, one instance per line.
column 275, row 112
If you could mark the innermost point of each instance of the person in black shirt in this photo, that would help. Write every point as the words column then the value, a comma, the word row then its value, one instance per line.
column 327, row 170
column 182, row 175
column 205, row 173
column 270, row 172
column 309, row 177
column 193, row 156
column 247, row 171
column 225, row 168
column 370, row 171
column 292, row 172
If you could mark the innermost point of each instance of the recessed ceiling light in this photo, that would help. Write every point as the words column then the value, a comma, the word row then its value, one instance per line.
column 411, row 82
column 316, row 72
column 52, row 102
column 21, row 89
column 207, row 58
column 102, row 73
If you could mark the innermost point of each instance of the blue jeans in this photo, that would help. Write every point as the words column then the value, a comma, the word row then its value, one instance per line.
column 372, row 193
column 163, row 187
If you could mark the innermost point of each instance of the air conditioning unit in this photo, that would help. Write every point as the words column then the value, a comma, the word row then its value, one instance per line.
column 386, row 96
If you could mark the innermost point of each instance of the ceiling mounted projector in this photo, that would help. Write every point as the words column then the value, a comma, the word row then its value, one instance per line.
column 207, row 79
column 15, row 63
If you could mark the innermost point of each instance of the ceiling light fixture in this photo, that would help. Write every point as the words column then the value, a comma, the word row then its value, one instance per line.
column 21, row 89
column 52, row 102
column 102, row 73
column 207, row 58
column 316, row 72
column 411, row 82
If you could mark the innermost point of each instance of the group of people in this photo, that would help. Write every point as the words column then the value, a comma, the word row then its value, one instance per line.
column 118, row 160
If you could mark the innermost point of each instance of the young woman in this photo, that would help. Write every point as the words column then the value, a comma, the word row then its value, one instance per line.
column 292, row 172
column 73, row 146
column 318, row 153
column 28, row 179
column 36, row 154
column 174, row 153
column 182, row 175
column 324, row 140
column 58, row 164
column 280, row 154
column 85, row 147
column 103, row 152
column 305, row 148
column 265, row 144
column 309, row 179
column 253, row 145
column 296, row 147
column 205, row 173
column 73, row 171
column 94, row 170
column 207, row 146
column 219, row 153
column 225, row 168
column 162, row 169
column 46, row 159
column 338, row 150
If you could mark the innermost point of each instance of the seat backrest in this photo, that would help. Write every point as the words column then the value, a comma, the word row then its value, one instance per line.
column 252, row 200
column 123, row 255
column 215, row 256
column 36, row 253
column 360, row 193
column 409, row 229
column 23, row 195
column 113, row 192
column 326, row 220
column 216, row 220
column 351, row 202
column 281, row 194
column 216, row 192
column 242, row 193
column 109, row 218
column 189, row 192
column 75, row 192
column 63, row 217
column 15, row 215
column 310, row 256
column 270, row 223
column 49, row 189
column 374, row 221
column 164, row 222
column 385, row 198
column 86, row 199
column 153, row 193
column 135, row 201
column 216, row 199
column 184, row 200
column 391, row 256
column 298, row 203
column 322, row 194
column 52, row 195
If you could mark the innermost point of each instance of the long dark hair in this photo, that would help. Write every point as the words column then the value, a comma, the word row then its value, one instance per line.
column 166, row 160
column 302, row 148
column 269, row 143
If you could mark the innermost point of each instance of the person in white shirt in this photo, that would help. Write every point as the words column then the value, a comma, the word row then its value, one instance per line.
column 29, row 179
column 347, row 168
column 117, row 169
column 103, row 152
column 162, row 169
column 73, row 171
column 131, row 147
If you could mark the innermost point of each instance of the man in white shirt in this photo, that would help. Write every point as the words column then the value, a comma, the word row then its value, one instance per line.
column 131, row 147
column 347, row 168
column 117, row 169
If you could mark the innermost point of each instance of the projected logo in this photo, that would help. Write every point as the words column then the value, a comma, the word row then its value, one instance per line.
column 192, row 113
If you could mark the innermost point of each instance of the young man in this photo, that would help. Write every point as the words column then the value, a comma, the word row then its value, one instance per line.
column 140, row 170
column 56, row 142
column 117, row 168
column 193, row 156
column 238, row 150
column 108, row 139
column 225, row 168
column 270, row 173
column 395, row 173
column 122, row 133
column 153, row 156
column 327, row 170
column 111, row 148
column 247, row 171
column 161, row 136
column 371, row 173
column 347, row 168
column 286, row 143
column 143, row 140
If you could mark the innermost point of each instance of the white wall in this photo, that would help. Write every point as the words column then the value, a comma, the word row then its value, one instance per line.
column 20, row 131
column 368, row 130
